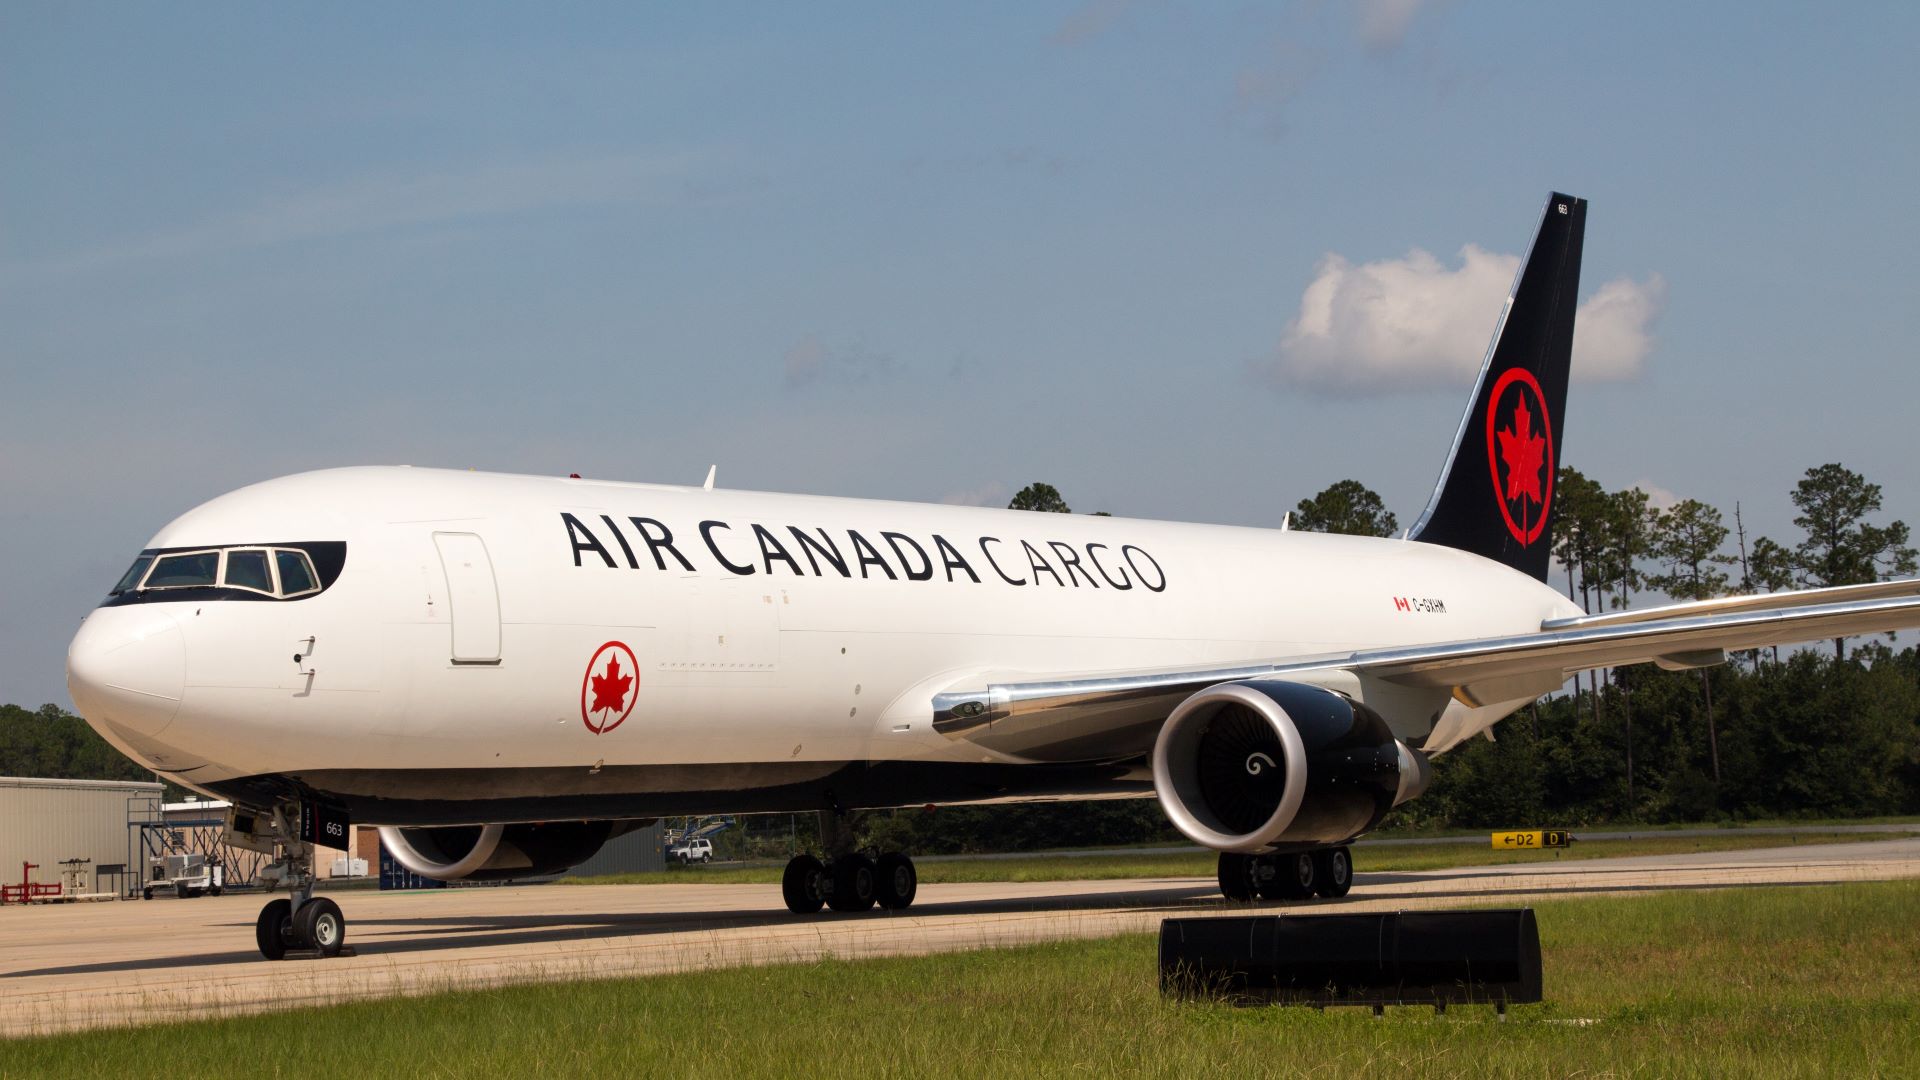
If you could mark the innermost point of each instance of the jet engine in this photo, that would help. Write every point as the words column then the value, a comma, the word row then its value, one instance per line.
column 1260, row 766
column 499, row 852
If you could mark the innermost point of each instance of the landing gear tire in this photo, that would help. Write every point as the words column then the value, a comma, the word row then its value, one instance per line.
column 852, row 884
column 1294, row 878
column 1333, row 872
column 804, row 885
column 895, row 881
column 273, row 927
column 1238, row 881
column 320, row 926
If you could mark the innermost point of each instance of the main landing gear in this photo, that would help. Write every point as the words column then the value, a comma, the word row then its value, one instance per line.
column 849, row 881
column 300, row 922
column 1297, row 875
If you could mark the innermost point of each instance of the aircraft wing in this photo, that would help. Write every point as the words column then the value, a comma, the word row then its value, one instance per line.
column 1115, row 716
column 1878, row 590
column 1688, row 636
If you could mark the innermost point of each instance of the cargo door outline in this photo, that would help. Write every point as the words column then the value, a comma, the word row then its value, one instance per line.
column 473, row 598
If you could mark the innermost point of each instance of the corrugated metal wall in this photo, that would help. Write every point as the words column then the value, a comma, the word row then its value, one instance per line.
column 639, row 851
column 46, row 821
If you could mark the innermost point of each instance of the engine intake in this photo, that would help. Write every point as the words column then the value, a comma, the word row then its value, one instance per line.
column 1255, row 766
column 499, row 852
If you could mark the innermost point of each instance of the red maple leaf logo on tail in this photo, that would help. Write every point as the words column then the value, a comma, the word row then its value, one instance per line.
column 1526, row 455
column 1522, row 451
column 610, row 690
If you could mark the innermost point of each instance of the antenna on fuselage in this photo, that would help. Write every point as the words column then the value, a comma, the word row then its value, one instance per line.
column 712, row 471
column 1286, row 522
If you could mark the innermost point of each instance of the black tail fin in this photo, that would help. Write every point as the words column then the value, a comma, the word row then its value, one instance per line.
column 1495, row 497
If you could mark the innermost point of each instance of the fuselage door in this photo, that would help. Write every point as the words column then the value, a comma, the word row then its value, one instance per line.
column 472, row 596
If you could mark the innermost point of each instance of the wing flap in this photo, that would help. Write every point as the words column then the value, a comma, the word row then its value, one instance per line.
column 1566, row 651
column 1724, row 605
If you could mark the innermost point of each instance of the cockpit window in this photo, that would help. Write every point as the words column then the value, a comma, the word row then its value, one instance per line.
column 257, row 571
column 133, row 575
column 200, row 568
column 296, row 573
column 247, row 569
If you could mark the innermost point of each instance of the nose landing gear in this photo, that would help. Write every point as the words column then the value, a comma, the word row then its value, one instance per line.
column 300, row 923
column 320, row 925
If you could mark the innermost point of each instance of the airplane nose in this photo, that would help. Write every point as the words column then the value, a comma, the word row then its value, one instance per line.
column 128, row 666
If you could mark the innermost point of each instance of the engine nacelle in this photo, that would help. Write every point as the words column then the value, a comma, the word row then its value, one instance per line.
column 1257, row 766
column 499, row 852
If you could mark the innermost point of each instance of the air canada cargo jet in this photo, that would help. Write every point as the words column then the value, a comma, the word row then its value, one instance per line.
column 505, row 671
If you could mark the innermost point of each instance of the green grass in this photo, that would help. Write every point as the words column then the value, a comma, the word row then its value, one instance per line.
column 1811, row 981
column 1810, row 823
column 1201, row 864
column 1481, row 853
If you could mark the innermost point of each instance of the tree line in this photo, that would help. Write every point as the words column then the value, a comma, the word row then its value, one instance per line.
column 53, row 743
column 1761, row 736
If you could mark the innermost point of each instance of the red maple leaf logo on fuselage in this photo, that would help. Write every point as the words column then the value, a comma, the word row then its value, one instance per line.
column 606, row 698
column 610, row 690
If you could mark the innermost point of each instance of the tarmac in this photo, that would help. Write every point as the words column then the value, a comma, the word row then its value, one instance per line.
column 78, row 966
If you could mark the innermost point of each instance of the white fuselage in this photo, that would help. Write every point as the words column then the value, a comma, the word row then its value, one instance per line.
column 435, row 653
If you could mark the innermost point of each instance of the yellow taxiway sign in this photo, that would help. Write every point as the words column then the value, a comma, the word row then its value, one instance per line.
column 1537, row 838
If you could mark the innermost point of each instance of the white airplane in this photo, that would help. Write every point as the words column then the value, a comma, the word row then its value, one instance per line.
column 505, row 671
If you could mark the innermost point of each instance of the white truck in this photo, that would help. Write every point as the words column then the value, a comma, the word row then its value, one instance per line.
column 698, row 850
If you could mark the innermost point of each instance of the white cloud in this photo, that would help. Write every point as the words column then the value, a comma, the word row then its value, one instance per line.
column 806, row 360
column 1658, row 498
column 1264, row 90
column 992, row 493
column 377, row 203
column 812, row 361
column 1613, row 330
column 1416, row 323
column 1090, row 20
column 1383, row 23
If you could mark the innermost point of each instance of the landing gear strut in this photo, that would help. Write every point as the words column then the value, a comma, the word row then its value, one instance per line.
column 849, row 881
column 1293, row 876
column 301, row 921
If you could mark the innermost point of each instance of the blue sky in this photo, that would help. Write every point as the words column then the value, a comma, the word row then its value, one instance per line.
column 904, row 252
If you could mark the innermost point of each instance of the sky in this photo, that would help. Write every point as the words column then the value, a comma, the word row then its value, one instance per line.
column 1182, row 261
